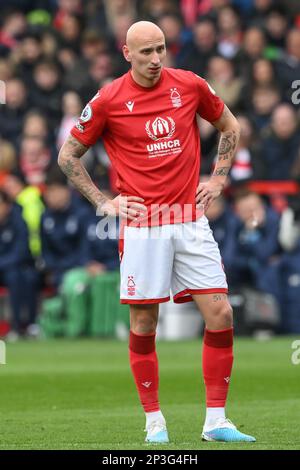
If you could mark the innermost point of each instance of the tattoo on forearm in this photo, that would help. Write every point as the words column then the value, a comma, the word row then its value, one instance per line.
column 69, row 161
column 227, row 145
column 230, row 133
column 222, row 171
column 68, row 169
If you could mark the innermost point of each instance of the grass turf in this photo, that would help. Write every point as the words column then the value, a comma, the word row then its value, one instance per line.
column 79, row 394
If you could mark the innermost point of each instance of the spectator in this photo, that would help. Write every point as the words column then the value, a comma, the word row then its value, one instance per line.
column 289, row 236
column 49, row 44
column 230, row 33
column 47, row 91
column 13, row 25
column 35, row 125
column 35, row 159
column 72, row 107
column 100, row 70
column 62, row 229
column 277, row 22
column 101, row 249
column 216, row 6
column 116, row 12
column 280, row 146
column 151, row 10
column 30, row 54
column 92, row 45
column 121, row 23
column 209, row 141
column 263, row 101
column 66, row 7
column 253, row 48
column 70, row 32
column 255, row 257
column 13, row 112
column 196, row 55
column 288, row 68
column 29, row 199
column 221, row 220
column 67, row 60
column 262, row 75
column 260, row 11
column 14, row 257
column 222, row 78
column 171, row 25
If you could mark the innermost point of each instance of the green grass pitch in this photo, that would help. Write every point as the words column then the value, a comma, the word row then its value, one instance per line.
column 79, row 394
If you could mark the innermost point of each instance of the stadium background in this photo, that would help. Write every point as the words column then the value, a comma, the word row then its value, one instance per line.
column 54, row 56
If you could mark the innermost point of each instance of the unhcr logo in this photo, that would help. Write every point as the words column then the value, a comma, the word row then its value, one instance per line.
column 160, row 128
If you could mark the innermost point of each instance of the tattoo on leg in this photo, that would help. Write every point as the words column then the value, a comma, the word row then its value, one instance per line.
column 218, row 297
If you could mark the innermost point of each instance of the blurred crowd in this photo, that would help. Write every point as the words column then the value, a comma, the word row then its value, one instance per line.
column 56, row 54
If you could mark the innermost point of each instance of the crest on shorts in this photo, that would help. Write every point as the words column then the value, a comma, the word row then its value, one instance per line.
column 160, row 128
column 130, row 286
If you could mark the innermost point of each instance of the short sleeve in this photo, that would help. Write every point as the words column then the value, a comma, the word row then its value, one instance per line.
column 91, row 123
column 210, row 106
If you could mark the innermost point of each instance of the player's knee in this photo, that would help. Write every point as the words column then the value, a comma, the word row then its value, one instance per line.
column 145, row 327
column 143, row 323
column 225, row 315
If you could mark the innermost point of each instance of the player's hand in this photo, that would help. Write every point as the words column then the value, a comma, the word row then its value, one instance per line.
column 207, row 192
column 128, row 207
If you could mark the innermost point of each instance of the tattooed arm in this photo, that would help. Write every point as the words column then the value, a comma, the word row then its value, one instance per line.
column 69, row 161
column 230, row 134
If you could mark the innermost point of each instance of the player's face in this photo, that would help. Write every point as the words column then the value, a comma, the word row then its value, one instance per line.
column 147, row 59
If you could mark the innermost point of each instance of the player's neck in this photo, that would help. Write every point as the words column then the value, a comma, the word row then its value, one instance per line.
column 142, row 81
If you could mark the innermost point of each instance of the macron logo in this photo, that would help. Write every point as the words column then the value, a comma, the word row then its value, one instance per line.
column 130, row 105
column 147, row 384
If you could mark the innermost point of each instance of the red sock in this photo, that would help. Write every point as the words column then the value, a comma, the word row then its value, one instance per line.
column 217, row 359
column 144, row 366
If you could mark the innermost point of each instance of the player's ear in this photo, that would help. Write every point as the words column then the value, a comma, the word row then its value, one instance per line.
column 126, row 53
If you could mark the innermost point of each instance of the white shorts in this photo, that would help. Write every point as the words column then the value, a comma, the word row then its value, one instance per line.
column 184, row 258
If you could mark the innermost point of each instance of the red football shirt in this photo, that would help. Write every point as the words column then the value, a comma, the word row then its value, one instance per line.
column 152, row 139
